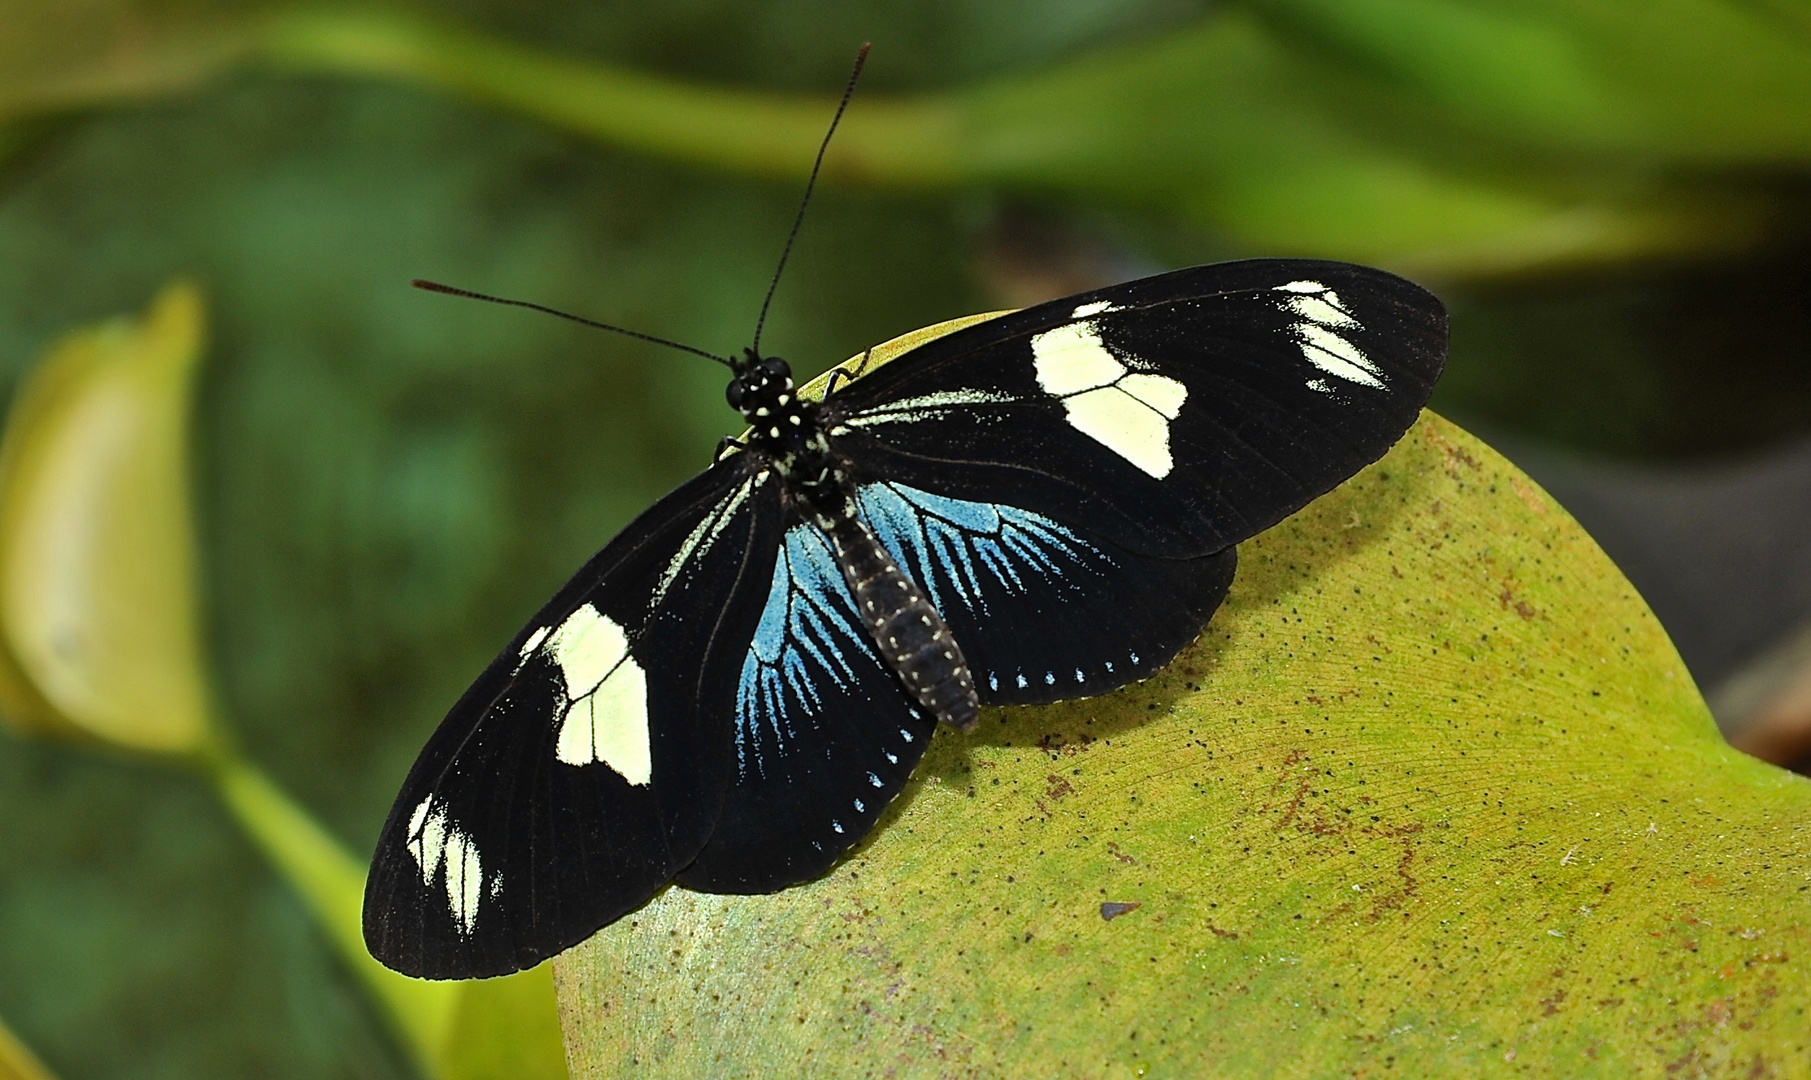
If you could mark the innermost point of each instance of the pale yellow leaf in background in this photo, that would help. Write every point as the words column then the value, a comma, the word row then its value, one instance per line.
column 98, row 599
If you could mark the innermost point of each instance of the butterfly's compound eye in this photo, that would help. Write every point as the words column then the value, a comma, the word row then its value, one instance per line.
column 733, row 393
column 775, row 370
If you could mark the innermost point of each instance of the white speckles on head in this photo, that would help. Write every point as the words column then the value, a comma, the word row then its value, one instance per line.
column 435, row 842
column 1320, row 315
column 606, row 714
column 1128, row 413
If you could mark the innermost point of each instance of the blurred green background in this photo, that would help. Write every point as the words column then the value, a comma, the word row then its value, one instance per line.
column 1613, row 199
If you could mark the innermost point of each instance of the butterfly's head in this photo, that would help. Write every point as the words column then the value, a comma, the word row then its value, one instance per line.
column 762, row 387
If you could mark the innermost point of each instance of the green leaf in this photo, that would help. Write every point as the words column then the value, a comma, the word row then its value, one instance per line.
column 57, row 55
column 1420, row 134
column 99, row 611
column 1432, row 793
column 1222, row 124
column 1698, row 81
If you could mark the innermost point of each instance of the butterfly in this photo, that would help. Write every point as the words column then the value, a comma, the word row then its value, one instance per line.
column 1038, row 506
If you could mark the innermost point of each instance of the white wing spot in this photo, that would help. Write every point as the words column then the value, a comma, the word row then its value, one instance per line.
column 874, row 780
column 1320, row 316
column 534, row 641
column 1128, row 413
column 435, row 841
column 606, row 714
column 1096, row 308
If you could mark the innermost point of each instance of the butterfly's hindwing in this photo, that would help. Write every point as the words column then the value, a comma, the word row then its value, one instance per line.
column 1176, row 415
column 1044, row 611
column 586, row 765
column 824, row 733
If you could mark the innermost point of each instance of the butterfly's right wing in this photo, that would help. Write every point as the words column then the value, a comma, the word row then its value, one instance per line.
column 588, row 763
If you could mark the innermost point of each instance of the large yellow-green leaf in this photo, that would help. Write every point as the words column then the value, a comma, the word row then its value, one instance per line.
column 1432, row 795
column 99, row 609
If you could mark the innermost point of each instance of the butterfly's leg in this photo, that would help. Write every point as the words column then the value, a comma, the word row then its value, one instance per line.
column 838, row 376
column 730, row 442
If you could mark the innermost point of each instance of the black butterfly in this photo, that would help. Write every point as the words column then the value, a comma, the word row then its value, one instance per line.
column 1036, row 507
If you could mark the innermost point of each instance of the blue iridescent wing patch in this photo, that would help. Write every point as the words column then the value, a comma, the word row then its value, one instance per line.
column 825, row 735
column 1044, row 610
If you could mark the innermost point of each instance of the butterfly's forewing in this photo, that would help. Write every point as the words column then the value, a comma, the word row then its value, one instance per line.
column 824, row 733
column 588, row 763
column 1174, row 416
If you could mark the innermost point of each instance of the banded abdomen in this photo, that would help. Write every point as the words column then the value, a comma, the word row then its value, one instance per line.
column 911, row 636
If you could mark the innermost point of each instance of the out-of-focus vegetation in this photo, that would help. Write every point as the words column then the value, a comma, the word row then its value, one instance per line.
column 100, row 643
column 386, row 483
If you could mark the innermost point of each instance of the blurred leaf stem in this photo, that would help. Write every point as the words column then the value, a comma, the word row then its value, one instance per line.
column 17, row 1062
column 1446, row 137
column 101, row 640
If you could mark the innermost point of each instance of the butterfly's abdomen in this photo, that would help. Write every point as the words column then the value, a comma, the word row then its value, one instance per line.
column 911, row 635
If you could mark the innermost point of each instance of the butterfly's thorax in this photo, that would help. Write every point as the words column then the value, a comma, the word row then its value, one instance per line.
column 911, row 634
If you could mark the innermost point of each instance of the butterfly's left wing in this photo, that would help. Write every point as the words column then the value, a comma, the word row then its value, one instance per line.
column 588, row 763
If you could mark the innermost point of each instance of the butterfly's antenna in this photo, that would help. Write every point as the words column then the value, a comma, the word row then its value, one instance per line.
column 435, row 286
column 861, row 57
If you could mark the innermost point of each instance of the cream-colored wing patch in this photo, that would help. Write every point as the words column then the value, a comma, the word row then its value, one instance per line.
column 1125, row 426
column 606, row 713
column 1071, row 359
column 1127, row 412
column 434, row 840
column 1320, row 317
